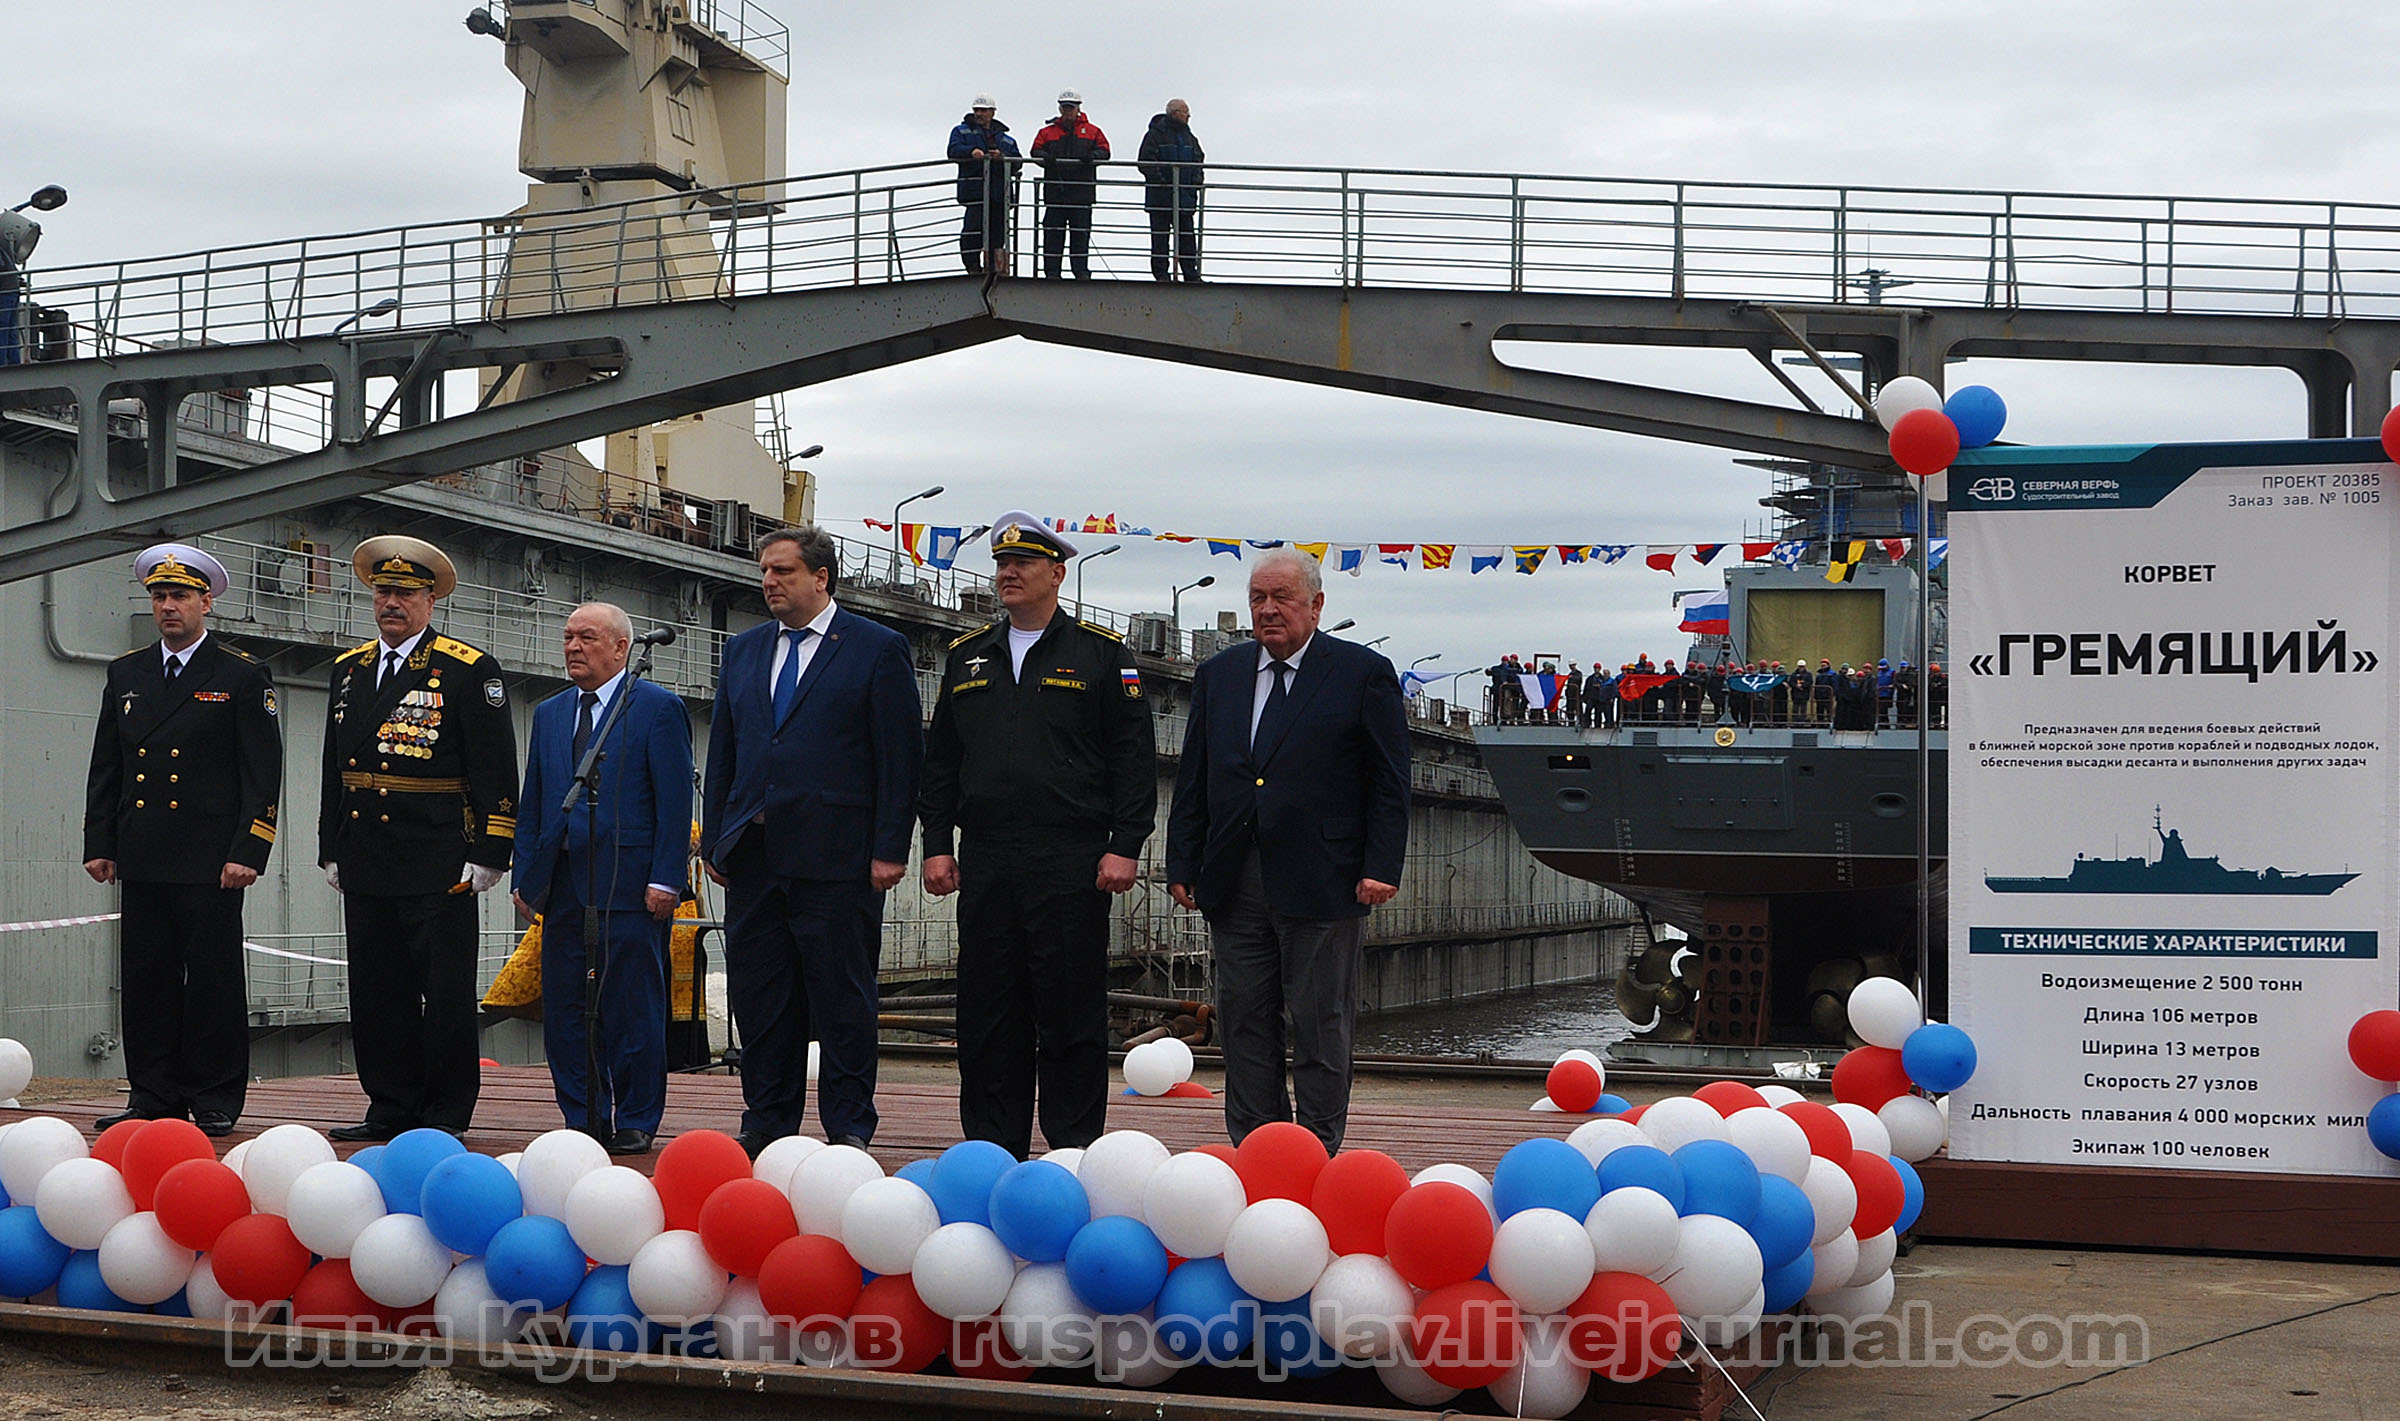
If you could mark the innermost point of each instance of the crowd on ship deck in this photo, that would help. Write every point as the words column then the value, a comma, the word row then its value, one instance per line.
column 1528, row 690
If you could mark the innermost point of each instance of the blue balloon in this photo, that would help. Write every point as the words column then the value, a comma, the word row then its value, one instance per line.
column 406, row 1161
column 1543, row 1173
column 1116, row 1265
column 179, row 1305
column 1289, row 1345
column 919, row 1172
column 1612, row 1105
column 1037, row 1207
column 1938, row 1057
column 602, row 1316
column 369, row 1159
column 1645, row 1166
column 1979, row 413
column 534, row 1262
column 30, row 1259
column 1787, row 1285
column 1785, row 1223
column 1203, row 1316
column 2383, row 1125
column 80, row 1286
column 466, row 1199
column 5, row 1201
column 1912, row 1193
column 1718, row 1179
column 963, row 1178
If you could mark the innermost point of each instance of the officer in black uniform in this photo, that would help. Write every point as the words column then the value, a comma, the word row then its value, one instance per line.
column 419, row 816
column 187, row 765
column 1041, row 760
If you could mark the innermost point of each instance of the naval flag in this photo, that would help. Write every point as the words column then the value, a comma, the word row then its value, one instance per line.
column 1705, row 613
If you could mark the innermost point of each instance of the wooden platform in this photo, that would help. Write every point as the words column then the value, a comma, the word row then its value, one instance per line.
column 2188, row 1211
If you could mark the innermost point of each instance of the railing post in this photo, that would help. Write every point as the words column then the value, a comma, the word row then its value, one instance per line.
column 1344, row 273
column 858, row 230
column 2145, row 265
column 1841, row 244
column 1676, row 287
column 2335, row 303
column 2170, row 283
column 1516, row 233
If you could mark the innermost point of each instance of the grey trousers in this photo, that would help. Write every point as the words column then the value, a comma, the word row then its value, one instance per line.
column 1269, row 966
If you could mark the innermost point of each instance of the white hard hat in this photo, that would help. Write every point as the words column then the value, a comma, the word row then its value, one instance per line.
column 984, row 101
column 1069, row 96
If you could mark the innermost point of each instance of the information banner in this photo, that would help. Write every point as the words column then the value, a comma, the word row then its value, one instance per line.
column 2172, row 801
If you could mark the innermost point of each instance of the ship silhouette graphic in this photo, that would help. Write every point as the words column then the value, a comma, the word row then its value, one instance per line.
column 2176, row 871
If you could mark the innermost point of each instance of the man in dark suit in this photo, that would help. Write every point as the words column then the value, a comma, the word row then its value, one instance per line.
column 419, row 814
column 1290, row 822
column 187, row 764
column 616, row 862
column 810, row 801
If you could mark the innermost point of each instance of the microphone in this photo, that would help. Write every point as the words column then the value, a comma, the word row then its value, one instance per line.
column 656, row 636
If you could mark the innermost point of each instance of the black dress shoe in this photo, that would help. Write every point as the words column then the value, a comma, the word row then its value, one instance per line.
column 754, row 1141
column 364, row 1131
column 107, row 1122
column 629, row 1142
column 856, row 1142
column 213, row 1122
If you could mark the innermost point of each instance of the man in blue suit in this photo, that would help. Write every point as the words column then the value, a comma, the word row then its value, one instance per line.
column 809, row 806
column 1290, row 822
column 620, row 853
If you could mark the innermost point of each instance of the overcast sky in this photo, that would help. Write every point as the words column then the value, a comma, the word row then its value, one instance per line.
column 180, row 125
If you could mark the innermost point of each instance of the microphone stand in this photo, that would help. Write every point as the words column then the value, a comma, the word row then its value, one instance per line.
column 582, row 792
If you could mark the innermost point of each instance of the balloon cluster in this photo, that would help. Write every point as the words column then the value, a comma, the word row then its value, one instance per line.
column 1904, row 1055
column 1927, row 431
column 1162, row 1067
column 1578, row 1085
column 2375, row 1050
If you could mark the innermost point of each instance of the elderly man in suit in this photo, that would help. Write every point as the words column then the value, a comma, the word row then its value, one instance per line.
column 604, row 875
column 1290, row 823
column 810, row 802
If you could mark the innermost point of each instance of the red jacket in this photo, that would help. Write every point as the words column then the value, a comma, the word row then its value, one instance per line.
column 1069, row 154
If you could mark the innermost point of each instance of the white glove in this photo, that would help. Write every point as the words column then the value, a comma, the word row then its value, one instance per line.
column 333, row 875
column 481, row 879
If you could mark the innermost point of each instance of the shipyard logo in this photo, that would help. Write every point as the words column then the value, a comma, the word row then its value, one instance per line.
column 1992, row 490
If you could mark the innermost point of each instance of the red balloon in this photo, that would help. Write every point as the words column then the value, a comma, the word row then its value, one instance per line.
column 1354, row 1196
column 330, row 1297
column 1221, row 1150
column 2391, row 434
column 689, row 1170
column 197, row 1200
column 1827, row 1134
column 978, row 1350
column 891, row 1329
column 1924, row 442
column 1623, row 1328
column 257, row 1261
column 2375, row 1039
column 743, row 1222
column 1465, row 1335
column 1634, row 1115
column 109, row 1149
column 1191, row 1090
column 1726, row 1097
column 1437, row 1234
column 1880, row 1195
column 157, row 1147
column 812, row 1281
column 1573, row 1086
column 1871, row 1076
column 1279, row 1160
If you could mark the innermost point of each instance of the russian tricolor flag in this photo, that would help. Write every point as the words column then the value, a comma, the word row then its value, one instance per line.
column 1705, row 613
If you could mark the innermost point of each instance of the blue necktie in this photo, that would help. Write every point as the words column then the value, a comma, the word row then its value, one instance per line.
column 787, row 679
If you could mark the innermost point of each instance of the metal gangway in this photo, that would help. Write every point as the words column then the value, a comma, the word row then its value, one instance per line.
column 367, row 359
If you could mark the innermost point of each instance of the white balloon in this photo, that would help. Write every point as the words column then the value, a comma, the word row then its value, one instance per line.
column 1407, row 1383
column 1715, row 1269
column 822, row 1347
column 465, row 1309
column 1116, row 1169
column 1780, row 1095
column 1542, row 1259
column 201, row 1293
column 1898, row 397
column 1866, row 1131
column 1127, row 1352
column 1875, row 1255
column 80, row 1200
column 510, row 1161
column 1190, row 1203
column 329, row 1204
column 885, row 1221
column 1883, row 1011
column 236, row 1157
column 1915, row 1125
column 780, row 1160
column 1276, row 1250
column 1679, row 1120
column 1633, row 1230
column 823, row 1184
column 1070, row 1160
column 1773, row 1140
column 1835, row 1260
column 1464, row 1178
column 612, row 1212
column 746, row 1331
column 16, row 1070
column 1361, row 1306
column 141, row 1264
column 674, row 1281
column 1545, row 1381
column 1602, row 1137
column 1543, row 1104
column 398, row 1262
column 1179, row 1057
column 31, row 1148
column 1855, row 1305
column 1740, row 1323
column 1043, row 1321
column 1148, row 1071
column 1942, row 1103
column 552, row 1165
column 963, row 1271
column 815, row 1059
column 277, row 1158
column 1833, row 1195
column 1589, row 1058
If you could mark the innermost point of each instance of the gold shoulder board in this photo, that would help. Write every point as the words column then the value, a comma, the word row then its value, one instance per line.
column 1097, row 630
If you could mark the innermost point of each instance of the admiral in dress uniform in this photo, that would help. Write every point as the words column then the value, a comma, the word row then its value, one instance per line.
column 419, row 815
column 187, row 764
column 1041, row 784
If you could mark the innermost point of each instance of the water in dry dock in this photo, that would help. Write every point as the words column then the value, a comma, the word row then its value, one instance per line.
column 1535, row 1024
